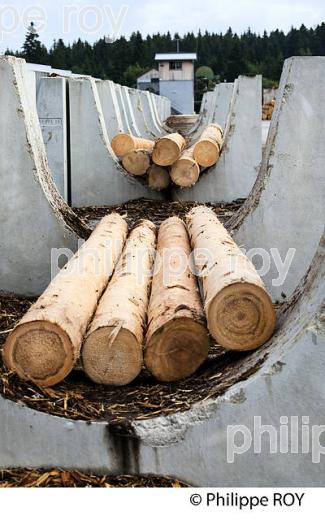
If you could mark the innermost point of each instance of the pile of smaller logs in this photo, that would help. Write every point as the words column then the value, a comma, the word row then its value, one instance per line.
column 267, row 110
column 124, row 301
column 169, row 159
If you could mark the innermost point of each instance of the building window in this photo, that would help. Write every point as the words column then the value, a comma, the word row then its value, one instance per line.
column 175, row 65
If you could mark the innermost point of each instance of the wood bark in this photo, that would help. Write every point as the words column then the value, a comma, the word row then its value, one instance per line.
column 239, row 311
column 185, row 171
column 158, row 177
column 126, row 143
column 206, row 150
column 45, row 345
column 112, row 351
column 177, row 340
column 168, row 149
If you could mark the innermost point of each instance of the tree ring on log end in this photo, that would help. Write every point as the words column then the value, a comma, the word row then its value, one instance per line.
column 112, row 359
column 241, row 317
column 206, row 152
column 39, row 351
column 177, row 349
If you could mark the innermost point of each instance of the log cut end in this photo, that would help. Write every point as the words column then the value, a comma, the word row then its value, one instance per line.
column 122, row 144
column 136, row 162
column 206, row 152
column 112, row 356
column 158, row 177
column 168, row 149
column 39, row 351
column 241, row 317
column 177, row 349
column 185, row 172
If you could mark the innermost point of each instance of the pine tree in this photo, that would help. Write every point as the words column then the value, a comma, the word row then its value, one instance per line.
column 33, row 50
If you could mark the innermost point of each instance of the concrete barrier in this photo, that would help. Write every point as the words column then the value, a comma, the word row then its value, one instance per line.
column 51, row 99
column 96, row 176
column 234, row 175
column 33, row 216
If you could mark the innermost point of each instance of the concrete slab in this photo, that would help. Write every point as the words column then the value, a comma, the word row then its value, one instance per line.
column 33, row 216
column 52, row 113
column 234, row 175
column 96, row 176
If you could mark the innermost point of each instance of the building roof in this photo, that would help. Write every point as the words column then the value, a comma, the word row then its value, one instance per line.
column 179, row 56
column 148, row 76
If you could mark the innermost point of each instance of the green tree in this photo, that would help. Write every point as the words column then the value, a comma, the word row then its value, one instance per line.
column 132, row 73
column 33, row 50
column 204, row 72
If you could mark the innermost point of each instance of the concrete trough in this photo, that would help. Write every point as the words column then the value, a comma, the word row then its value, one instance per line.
column 96, row 176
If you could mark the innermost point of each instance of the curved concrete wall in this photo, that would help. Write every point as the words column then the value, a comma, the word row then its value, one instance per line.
column 285, row 212
column 110, row 108
column 141, row 115
column 223, row 103
column 129, row 111
column 33, row 216
column 120, row 100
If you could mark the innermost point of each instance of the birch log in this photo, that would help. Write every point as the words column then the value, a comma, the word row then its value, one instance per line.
column 239, row 311
column 112, row 351
column 177, row 340
column 45, row 345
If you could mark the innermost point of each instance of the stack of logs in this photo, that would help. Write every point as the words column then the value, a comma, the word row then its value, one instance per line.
column 122, row 302
column 168, row 159
column 267, row 110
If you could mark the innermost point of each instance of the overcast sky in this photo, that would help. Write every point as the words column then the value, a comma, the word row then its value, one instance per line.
column 91, row 19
